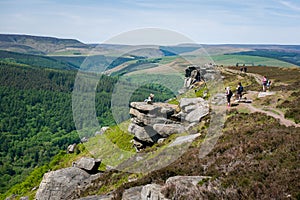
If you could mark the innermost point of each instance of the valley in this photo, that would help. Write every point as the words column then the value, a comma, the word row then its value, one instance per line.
column 38, row 76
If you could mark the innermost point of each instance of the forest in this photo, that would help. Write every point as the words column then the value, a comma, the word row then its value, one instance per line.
column 36, row 119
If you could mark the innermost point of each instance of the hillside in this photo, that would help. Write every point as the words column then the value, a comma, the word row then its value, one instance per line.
column 37, row 44
column 36, row 115
column 256, row 157
column 37, row 120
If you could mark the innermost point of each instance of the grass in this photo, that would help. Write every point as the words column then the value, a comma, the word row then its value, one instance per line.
column 113, row 147
column 255, row 155
column 231, row 60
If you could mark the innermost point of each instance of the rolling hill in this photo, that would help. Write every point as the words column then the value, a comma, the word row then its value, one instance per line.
column 38, row 45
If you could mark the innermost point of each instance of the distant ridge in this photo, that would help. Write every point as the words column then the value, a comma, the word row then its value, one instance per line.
column 38, row 44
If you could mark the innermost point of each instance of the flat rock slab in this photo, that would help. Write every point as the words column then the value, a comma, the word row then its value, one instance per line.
column 154, row 107
column 264, row 94
column 166, row 130
column 186, row 179
column 184, row 139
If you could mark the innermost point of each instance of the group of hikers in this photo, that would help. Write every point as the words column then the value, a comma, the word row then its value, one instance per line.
column 239, row 90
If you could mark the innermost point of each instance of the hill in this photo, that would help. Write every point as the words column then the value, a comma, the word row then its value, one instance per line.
column 37, row 119
column 37, row 44
column 256, row 157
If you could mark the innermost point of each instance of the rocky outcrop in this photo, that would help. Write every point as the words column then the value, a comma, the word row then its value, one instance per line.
column 151, row 122
column 66, row 183
column 193, row 109
column 192, row 75
column 148, row 120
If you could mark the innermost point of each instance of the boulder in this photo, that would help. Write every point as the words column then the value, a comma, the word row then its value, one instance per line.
column 132, row 193
column 166, row 130
column 155, row 109
column 84, row 139
column 102, row 130
column 197, row 114
column 61, row 184
column 184, row 139
column 145, row 134
column 71, row 148
column 90, row 165
column 184, row 102
column 146, row 119
column 194, row 180
column 193, row 109
column 152, row 192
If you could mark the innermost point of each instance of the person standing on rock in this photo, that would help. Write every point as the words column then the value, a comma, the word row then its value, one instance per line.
column 149, row 100
column 228, row 95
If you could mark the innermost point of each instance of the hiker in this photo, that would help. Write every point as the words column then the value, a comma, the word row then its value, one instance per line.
column 239, row 91
column 264, row 83
column 268, row 84
column 245, row 69
column 149, row 100
column 228, row 95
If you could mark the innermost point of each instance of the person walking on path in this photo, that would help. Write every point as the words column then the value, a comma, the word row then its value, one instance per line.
column 239, row 91
column 264, row 83
column 228, row 95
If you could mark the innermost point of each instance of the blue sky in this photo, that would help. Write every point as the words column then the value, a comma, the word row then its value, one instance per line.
column 204, row 21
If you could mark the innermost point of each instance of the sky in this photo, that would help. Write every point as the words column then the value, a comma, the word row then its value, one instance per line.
column 203, row 21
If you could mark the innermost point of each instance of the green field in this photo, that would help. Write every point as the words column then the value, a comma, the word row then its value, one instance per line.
column 231, row 60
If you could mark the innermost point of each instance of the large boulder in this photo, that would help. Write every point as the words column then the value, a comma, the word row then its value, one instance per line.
column 102, row 130
column 166, row 130
column 155, row 109
column 152, row 192
column 193, row 109
column 144, row 134
column 132, row 193
column 90, row 165
column 71, row 148
column 61, row 184
column 146, row 119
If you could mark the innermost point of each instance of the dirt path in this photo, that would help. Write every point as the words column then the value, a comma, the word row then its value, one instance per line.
column 275, row 113
column 268, row 110
column 279, row 116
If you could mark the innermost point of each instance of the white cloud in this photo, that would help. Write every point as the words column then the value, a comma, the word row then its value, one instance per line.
column 290, row 5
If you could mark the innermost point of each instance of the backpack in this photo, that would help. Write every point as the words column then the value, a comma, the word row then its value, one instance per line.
column 230, row 93
column 240, row 89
